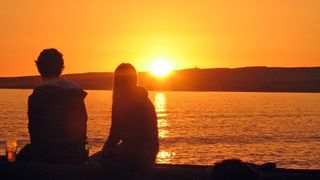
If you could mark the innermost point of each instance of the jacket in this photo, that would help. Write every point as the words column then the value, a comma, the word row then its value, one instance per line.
column 134, row 125
column 57, row 124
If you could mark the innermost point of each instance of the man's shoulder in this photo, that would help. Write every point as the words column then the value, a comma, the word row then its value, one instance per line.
column 62, row 83
column 44, row 89
column 56, row 91
column 39, row 93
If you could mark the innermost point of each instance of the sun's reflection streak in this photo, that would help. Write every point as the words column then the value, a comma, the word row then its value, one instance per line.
column 161, row 108
column 162, row 123
column 163, row 133
column 165, row 157
column 160, row 102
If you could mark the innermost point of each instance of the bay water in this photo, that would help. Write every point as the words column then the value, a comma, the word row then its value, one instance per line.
column 202, row 127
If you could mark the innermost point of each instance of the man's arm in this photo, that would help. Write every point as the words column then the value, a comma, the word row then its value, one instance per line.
column 35, row 119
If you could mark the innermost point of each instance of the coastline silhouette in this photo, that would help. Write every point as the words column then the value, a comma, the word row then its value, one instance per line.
column 247, row 79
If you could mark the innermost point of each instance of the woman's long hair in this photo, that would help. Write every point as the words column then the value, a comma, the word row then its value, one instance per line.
column 125, row 78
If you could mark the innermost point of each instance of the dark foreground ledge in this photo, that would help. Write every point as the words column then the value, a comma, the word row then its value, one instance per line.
column 96, row 172
column 162, row 171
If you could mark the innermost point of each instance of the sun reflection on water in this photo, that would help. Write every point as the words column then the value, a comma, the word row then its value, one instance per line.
column 163, row 133
column 162, row 123
column 161, row 108
column 165, row 157
column 160, row 102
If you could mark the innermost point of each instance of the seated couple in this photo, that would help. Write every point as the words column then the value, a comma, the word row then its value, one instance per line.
column 58, row 120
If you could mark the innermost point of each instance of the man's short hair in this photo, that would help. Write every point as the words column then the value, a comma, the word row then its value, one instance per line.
column 50, row 63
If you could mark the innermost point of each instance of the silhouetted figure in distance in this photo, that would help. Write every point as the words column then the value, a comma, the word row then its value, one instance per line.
column 57, row 116
column 133, row 139
column 233, row 169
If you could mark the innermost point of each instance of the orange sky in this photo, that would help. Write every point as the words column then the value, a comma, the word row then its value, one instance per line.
column 97, row 35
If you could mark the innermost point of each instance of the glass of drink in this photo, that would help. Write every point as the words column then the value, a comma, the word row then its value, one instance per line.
column 11, row 150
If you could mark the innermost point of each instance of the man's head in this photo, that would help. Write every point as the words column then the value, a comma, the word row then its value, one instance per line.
column 50, row 63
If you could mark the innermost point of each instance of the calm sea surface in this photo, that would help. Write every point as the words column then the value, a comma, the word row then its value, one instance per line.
column 203, row 127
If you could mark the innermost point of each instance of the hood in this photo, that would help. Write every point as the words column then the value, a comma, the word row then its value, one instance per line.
column 129, row 96
column 62, row 83
column 140, row 92
column 59, row 92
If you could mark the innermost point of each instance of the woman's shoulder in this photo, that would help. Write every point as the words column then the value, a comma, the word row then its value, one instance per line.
column 141, row 92
column 142, row 97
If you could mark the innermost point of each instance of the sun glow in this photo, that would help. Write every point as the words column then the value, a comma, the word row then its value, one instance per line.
column 160, row 68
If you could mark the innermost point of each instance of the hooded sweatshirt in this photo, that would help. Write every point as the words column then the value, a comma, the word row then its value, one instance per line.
column 58, row 122
column 134, row 124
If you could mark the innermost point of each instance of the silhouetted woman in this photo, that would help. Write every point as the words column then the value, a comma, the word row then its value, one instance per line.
column 133, row 139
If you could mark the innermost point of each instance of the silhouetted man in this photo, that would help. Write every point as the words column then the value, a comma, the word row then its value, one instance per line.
column 57, row 116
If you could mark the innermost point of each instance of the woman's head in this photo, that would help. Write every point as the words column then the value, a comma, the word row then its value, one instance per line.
column 125, row 77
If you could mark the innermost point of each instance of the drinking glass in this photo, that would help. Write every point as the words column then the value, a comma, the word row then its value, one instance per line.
column 11, row 150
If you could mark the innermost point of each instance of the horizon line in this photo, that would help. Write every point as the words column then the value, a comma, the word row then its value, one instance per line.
column 195, row 67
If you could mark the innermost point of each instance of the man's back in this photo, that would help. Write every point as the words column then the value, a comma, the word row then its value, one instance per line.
column 57, row 124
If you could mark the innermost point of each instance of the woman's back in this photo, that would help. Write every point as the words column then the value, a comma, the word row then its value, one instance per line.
column 137, row 121
column 133, row 138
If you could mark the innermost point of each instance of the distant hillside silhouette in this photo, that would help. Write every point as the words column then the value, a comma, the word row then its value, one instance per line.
column 259, row 79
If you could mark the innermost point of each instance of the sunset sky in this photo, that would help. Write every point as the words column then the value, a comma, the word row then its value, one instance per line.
column 97, row 35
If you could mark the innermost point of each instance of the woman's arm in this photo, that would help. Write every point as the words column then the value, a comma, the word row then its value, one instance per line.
column 115, row 132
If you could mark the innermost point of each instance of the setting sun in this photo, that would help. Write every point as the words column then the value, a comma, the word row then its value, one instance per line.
column 160, row 68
